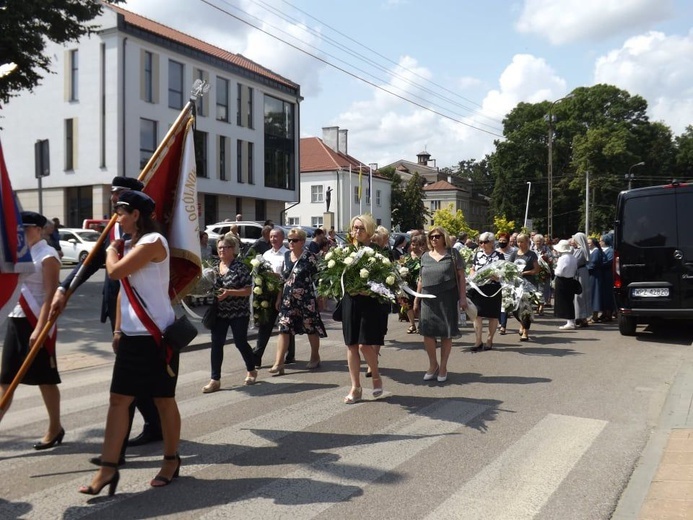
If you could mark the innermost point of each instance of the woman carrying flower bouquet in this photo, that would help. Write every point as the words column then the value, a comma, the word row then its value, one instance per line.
column 298, row 302
column 412, row 263
column 233, row 287
column 364, row 321
column 529, row 271
column 488, row 298
column 442, row 274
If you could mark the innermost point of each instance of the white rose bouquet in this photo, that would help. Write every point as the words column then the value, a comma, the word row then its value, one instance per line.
column 266, row 285
column 364, row 270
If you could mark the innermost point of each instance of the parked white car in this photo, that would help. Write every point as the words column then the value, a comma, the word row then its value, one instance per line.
column 76, row 243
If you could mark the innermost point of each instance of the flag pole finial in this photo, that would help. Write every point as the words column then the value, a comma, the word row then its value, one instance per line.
column 200, row 88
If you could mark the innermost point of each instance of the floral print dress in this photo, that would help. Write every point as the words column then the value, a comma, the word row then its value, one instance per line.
column 299, row 313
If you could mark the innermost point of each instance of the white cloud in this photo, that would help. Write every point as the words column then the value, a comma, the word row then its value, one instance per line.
column 660, row 69
column 565, row 21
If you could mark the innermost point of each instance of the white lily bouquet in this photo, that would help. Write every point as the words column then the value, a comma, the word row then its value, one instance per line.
column 363, row 271
column 501, row 271
column 518, row 293
column 468, row 257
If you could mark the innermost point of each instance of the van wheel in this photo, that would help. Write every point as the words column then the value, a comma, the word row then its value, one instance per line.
column 627, row 325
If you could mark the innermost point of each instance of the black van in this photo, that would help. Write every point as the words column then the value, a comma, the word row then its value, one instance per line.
column 653, row 255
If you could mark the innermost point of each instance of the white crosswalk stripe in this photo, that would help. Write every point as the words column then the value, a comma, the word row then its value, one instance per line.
column 516, row 485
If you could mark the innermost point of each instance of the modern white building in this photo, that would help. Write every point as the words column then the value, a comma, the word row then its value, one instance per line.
column 326, row 166
column 112, row 99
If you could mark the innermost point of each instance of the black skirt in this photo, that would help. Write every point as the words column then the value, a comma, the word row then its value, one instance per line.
column 14, row 352
column 487, row 306
column 563, row 297
column 140, row 369
column 364, row 320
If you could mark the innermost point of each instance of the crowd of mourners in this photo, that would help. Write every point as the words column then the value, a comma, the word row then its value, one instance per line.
column 440, row 278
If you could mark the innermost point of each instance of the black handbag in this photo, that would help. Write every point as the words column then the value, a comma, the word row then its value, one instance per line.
column 337, row 314
column 180, row 333
column 577, row 286
column 210, row 317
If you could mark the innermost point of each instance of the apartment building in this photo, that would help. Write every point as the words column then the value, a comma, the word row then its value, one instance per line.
column 114, row 95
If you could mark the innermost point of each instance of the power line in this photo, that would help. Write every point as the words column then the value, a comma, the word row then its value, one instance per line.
column 345, row 71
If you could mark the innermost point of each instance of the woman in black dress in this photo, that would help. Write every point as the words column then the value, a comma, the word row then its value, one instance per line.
column 364, row 322
column 488, row 298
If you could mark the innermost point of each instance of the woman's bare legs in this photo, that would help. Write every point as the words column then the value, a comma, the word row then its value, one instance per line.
column 445, row 349
column 170, row 429
column 478, row 330
column 314, row 341
column 430, row 347
column 282, row 347
column 51, row 398
column 370, row 354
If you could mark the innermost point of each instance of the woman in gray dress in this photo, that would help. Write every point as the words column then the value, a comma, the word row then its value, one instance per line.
column 442, row 274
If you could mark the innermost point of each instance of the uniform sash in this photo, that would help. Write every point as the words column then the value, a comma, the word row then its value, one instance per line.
column 32, row 310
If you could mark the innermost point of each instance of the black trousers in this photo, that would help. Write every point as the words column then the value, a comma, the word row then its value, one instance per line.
column 263, row 335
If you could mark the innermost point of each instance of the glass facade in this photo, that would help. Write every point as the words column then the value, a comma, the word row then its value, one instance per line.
column 280, row 140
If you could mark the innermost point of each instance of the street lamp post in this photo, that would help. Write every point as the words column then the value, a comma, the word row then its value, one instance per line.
column 529, row 190
column 549, row 216
column 630, row 176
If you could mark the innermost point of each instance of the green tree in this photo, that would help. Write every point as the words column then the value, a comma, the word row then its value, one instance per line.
column 414, row 212
column 684, row 155
column 503, row 225
column 26, row 25
column 453, row 223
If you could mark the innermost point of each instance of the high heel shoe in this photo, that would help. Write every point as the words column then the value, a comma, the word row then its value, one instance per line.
column 211, row 387
column 160, row 480
column 251, row 378
column 354, row 396
column 277, row 370
column 58, row 439
column 313, row 365
column 377, row 392
column 112, row 484
column 430, row 376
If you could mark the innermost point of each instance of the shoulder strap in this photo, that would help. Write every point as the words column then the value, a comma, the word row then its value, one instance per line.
column 142, row 314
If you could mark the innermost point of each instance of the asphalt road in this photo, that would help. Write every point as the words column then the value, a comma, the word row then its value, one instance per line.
column 552, row 428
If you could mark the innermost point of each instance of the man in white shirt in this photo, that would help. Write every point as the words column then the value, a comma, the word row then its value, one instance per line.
column 275, row 257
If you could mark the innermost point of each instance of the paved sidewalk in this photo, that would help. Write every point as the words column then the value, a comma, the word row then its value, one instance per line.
column 671, row 492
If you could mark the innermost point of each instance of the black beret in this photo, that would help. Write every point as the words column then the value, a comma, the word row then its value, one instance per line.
column 136, row 200
column 126, row 183
column 31, row 218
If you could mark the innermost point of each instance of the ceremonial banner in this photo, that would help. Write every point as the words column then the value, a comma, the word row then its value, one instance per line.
column 172, row 183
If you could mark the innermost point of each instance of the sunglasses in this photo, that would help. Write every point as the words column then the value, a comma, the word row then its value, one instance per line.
column 435, row 237
column 484, row 241
column 292, row 240
column 221, row 248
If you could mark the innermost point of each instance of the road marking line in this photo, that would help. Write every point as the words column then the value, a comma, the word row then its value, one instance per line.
column 519, row 483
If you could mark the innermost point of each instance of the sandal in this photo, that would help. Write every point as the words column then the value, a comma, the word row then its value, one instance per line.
column 411, row 330
column 160, row 480
column 377, row 392
column 502, row 331
column 354, row 396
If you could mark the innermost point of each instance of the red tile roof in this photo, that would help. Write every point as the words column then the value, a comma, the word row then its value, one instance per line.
column 166, row 32
column 316, row 156
column 441, row 186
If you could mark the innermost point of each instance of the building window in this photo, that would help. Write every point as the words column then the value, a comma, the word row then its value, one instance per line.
column 200, row 103
column 222, row 99
column 250, row 107
column 356, row 195
column 250, row 164
column 293, row 221
column 201, row 153
column 260, row 209
column 148, row 131
column 74, row 78
column 223, row 163
column 378, row 198
column 175, row 85
column 239, row 161
column 239, row 206
column 316, row 221
column 239, row 104
column 316, row 193
column 148, row 77
column 69, row 144
column 280, row 139
column 435, row 205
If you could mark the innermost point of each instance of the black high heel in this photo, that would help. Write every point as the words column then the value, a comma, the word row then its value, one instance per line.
column 112, row 484
column 166, row 481
column 58, row 439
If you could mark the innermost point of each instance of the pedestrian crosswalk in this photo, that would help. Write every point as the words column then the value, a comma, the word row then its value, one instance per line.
column 286, row 448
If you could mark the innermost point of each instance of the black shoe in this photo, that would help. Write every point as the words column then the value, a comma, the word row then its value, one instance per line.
column 145, row 438
column 58, row 439
column 96, row 461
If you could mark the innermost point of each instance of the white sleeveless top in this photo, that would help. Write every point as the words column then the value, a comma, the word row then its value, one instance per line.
column 34, row 282
column 151, row 284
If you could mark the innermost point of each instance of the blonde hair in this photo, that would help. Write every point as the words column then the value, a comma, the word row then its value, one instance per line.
column 231, row 240
column 441, row 231
column 297, row 232
column 367, row 221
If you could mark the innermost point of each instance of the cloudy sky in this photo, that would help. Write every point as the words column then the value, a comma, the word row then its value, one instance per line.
column 407, row 75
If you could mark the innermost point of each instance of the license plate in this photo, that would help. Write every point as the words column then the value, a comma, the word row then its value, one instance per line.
column 651, row 292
